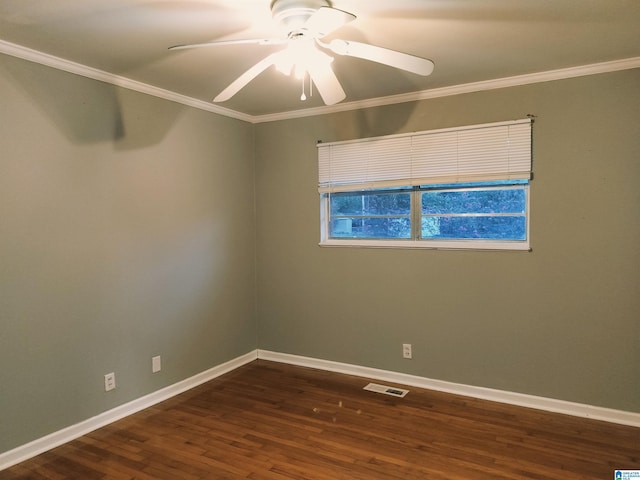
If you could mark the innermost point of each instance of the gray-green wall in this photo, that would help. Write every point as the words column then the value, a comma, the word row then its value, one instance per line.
column 562, row 321
column 126, row 231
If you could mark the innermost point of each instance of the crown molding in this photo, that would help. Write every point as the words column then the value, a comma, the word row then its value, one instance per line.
column 117, row 80
column 120, row 81
column 559, row 74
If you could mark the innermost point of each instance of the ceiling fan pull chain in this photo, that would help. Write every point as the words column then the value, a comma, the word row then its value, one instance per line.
column 303, row 97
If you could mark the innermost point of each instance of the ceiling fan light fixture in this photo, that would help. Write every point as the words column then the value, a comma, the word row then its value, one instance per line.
column 305, row 24
column 284, row 64
column 301, row 56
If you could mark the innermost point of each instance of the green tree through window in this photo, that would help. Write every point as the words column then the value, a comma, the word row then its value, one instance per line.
column 471, row 211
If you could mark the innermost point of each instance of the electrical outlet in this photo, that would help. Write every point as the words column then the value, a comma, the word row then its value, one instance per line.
column 156, row 364
column 109, row 381
column 406, row 350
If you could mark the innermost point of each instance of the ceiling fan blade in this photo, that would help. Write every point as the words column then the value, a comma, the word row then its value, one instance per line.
column 257, row 41
column 246, row 77
column 326, row 19
column 327, row 84
column 403, row 61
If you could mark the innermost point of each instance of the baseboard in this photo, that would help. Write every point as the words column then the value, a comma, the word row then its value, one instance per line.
column 41, row 445
column 512, row 398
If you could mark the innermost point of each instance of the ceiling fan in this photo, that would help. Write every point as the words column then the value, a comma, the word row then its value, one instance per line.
column 305, row 23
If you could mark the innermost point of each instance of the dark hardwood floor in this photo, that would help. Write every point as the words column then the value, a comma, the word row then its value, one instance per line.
column 272, row 421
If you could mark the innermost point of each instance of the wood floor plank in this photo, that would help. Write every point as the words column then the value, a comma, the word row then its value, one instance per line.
column 270, row 421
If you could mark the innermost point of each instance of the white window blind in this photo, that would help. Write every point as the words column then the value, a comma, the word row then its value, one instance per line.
column 495, row 151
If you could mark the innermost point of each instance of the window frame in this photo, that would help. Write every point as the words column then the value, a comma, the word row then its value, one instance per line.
column 416, row 240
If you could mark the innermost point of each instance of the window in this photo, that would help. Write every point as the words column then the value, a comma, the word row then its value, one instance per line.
column 453, row 188
column 485, row 211
column 383, row 214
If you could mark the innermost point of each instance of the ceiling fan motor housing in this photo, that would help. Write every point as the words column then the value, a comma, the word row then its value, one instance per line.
column 291, row 15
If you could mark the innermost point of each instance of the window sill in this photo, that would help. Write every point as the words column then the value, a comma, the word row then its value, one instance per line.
column 429, row 244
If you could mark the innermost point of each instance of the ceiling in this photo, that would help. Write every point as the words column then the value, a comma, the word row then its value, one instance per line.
column 469, row 40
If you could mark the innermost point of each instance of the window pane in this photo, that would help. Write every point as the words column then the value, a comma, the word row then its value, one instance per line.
column 475, row 227
column 457, row 214
column 509, row 200
column 370, row 227
column 370, row 204
column 370, row 215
